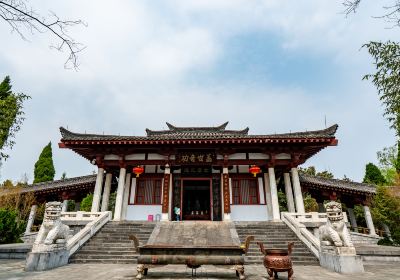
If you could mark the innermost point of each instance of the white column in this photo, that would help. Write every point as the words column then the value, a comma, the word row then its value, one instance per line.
column 289, row 192
column 106, row 192
column 64, row 206
column 268, row 196
column 126, row 195
column 298, row 196
column 120, row 194
column 352, row 218
column 97, row 190
column 167, row 171
column 387, row 231
column 368, row 219
column 227, row 216
column 31, row 219
column 274, row 194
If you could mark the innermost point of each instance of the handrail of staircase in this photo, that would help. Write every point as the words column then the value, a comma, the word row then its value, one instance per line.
column 99, row 219
column 301, row 231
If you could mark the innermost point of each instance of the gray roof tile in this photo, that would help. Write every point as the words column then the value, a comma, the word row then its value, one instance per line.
column 183, row 133
column 336, row 184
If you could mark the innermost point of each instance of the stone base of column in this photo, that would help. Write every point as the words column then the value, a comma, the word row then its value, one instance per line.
column 46, row 260
column 227, row 216
column 164, row 217
column 117, row 219
column 341, row 263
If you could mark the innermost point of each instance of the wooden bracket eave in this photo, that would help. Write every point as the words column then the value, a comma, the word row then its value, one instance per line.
column 62, row 145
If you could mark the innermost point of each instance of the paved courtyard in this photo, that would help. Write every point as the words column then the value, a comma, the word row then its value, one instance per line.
column 13, row 270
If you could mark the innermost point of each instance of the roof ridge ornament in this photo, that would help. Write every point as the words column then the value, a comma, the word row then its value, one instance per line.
column 221, row 127
column 170, row 126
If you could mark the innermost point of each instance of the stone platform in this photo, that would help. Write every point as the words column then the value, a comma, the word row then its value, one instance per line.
column 14, row 250
column 13, row 269
column 189, row 234
column 193, row 244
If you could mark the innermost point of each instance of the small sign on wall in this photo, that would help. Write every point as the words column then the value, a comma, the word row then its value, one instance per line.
column 195, row 158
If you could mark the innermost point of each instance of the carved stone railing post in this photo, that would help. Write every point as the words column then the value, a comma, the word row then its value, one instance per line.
column 50, row 247
column 337, row 252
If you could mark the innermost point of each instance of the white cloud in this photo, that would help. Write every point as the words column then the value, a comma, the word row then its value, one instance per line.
column 140, row 53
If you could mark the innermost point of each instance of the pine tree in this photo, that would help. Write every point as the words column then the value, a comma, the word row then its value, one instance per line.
column 44, row 167
column 373, row 175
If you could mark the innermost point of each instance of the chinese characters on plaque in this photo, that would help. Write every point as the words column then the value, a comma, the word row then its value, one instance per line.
column 196, row 158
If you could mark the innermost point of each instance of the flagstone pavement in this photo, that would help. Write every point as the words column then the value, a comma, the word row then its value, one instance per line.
column 13, row 270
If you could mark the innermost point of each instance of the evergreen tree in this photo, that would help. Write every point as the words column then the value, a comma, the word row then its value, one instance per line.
column 386, row 210
column 325, row 174
column 44, row 167
column 373, row 175
column 11, row 115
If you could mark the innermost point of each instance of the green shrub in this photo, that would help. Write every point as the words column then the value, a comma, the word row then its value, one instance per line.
column 385, row 241
column 86, row 204
column 10, row 227
column 111, row 202
column 386, row 210
column 310, row 204
column 360, row 216
column 71, row 206
column 282, row 201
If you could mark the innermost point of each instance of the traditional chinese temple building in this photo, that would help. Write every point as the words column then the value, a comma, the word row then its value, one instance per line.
column 210, row 173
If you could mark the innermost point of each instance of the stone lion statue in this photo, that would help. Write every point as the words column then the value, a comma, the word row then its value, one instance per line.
column 334, row 232
column 52, row 231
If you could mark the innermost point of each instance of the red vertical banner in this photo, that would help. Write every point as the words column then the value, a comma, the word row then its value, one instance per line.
column 227, row 196
column 165, row 197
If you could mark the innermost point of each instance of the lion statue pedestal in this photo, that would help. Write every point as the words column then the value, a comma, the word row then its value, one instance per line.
column 50, row 247
column 337, row 252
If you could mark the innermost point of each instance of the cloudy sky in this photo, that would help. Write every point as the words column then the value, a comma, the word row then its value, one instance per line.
column 275, row 66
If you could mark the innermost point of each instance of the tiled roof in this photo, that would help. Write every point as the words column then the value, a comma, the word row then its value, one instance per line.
column 179, row 133
column 61, row 184
column 316, row 181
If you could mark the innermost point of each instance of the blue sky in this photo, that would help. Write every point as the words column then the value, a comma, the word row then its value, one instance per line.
column 275, row 66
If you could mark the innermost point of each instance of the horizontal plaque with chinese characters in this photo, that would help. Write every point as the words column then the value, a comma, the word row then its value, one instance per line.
column 195, row 158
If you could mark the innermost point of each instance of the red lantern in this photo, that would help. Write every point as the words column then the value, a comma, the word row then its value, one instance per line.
column 254, row 169
column 138, row 170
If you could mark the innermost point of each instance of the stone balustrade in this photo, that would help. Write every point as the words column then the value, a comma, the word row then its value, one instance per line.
column 80, row 215
column 313, row 217
column 96, row 221
column 295, row 222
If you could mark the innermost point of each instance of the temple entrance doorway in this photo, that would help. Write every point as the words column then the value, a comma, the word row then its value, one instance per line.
column 196, row 199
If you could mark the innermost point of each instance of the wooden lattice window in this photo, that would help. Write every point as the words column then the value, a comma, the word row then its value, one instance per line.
column 245, row 191
column 148, row 191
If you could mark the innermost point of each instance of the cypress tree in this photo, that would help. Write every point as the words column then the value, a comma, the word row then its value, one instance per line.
column 44, row 167
column 373, row 175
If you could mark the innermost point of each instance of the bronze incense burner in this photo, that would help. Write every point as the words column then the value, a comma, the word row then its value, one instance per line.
column 277, row 260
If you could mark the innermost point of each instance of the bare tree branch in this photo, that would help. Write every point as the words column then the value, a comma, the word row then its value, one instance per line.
column 19, row 16
column 351, row 6
column 392, row 14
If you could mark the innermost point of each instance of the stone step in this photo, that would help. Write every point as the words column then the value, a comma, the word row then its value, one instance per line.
column 121, row 237
column 94, row 244
column 107, row 256
column 112, row 245
column 273, row 236
column 108, row 252
column 105, row 261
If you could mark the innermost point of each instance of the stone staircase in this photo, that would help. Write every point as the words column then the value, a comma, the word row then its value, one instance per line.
column 112, row 245
column 273, row 235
